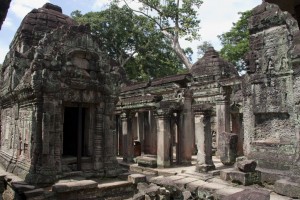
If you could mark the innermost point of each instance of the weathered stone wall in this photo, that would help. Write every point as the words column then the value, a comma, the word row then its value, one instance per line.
column 269, row 97
column 64, row 66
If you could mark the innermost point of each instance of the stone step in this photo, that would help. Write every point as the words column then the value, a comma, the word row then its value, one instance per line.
column 166, row 181
column 74, row 186
column 200, row 176
column 72, row 174
column 143, row 170
column 227, row 191
column 88, row 189
column 116, row 190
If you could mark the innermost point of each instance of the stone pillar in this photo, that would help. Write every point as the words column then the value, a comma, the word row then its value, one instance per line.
column 147, row 132
column 127, row 138
column 153, row 133
column 186, row 136
column 134, row 126
column 174, row 139
column 227, row 148
column 237, row 127
column 163, row 139
column 120, row 136
column 222, row 116
column 204, row 141
column 98, row 137
column 141, row 119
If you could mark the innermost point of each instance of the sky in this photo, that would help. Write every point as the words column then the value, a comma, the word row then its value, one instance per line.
column 216, row 18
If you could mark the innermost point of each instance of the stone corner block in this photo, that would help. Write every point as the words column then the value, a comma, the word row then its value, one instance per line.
column 246, row 165
column 244, row 178
column 287, row 188
column 137, row 178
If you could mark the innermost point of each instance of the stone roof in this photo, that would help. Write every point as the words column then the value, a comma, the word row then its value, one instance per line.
column 212, row 65
column 178, row 78
column 169, row 79
column 135, row 86
column 40, row 21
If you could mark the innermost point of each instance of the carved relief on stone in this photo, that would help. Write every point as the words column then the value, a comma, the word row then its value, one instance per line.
column 252, row 62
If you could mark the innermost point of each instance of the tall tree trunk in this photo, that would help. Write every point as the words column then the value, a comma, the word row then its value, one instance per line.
column 178, row 50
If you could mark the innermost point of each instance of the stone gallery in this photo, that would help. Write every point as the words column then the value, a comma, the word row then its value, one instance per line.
column 66, row 111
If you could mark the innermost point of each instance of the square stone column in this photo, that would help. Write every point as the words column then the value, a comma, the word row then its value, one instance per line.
column 204, row 141
column 163, row 139
column 134, row 126
column 222, row 116
column 186, row 134
column 237, row 127
column 152, row 134
column 141, row 129
column 127, row 138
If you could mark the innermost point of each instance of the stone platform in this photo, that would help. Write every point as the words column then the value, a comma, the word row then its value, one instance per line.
column 177, row 182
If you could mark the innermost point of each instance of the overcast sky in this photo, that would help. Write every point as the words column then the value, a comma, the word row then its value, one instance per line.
column 216, row 17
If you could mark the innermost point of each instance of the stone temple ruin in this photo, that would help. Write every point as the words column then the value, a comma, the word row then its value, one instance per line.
column 58, row 91
column 64, row 112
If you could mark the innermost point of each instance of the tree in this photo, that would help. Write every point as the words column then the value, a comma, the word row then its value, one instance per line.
column 133, row 41
column 202, row 48
column 236, row 41
column 175, row 19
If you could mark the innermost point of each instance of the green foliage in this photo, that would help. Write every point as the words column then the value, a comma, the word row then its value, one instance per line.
column 202, row 48
column 175, row 19
column 236, row 41
column 134, row 41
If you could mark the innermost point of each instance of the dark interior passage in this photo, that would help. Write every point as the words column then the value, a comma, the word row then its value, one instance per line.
column 70, row 138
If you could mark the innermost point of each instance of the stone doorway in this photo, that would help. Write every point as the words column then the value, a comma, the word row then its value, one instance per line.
column 74, row 136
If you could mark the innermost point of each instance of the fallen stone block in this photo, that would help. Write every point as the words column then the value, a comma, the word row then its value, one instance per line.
column 136, row 178
column 211, row 187
column 186, row 195
column 138, row 196
column 169, row 180
column 249, row 194
column 193, row 186
column 73, row 186
column 224, row 192
column 243, row 178
column 181, row 183
column 275, row 196
column 287, row 188
column 246, row 165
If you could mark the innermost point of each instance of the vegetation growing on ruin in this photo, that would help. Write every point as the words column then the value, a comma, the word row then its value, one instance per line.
column 236, row 42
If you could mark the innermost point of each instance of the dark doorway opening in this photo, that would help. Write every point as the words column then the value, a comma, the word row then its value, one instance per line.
column 73, row 131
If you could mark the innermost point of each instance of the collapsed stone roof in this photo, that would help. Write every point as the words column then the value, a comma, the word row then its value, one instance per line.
column 212, row 65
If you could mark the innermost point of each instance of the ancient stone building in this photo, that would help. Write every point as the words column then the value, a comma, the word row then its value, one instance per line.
column 58, row 94
column 271, row 90
column 173, row 116
column 3, row 10
column 291, row 6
